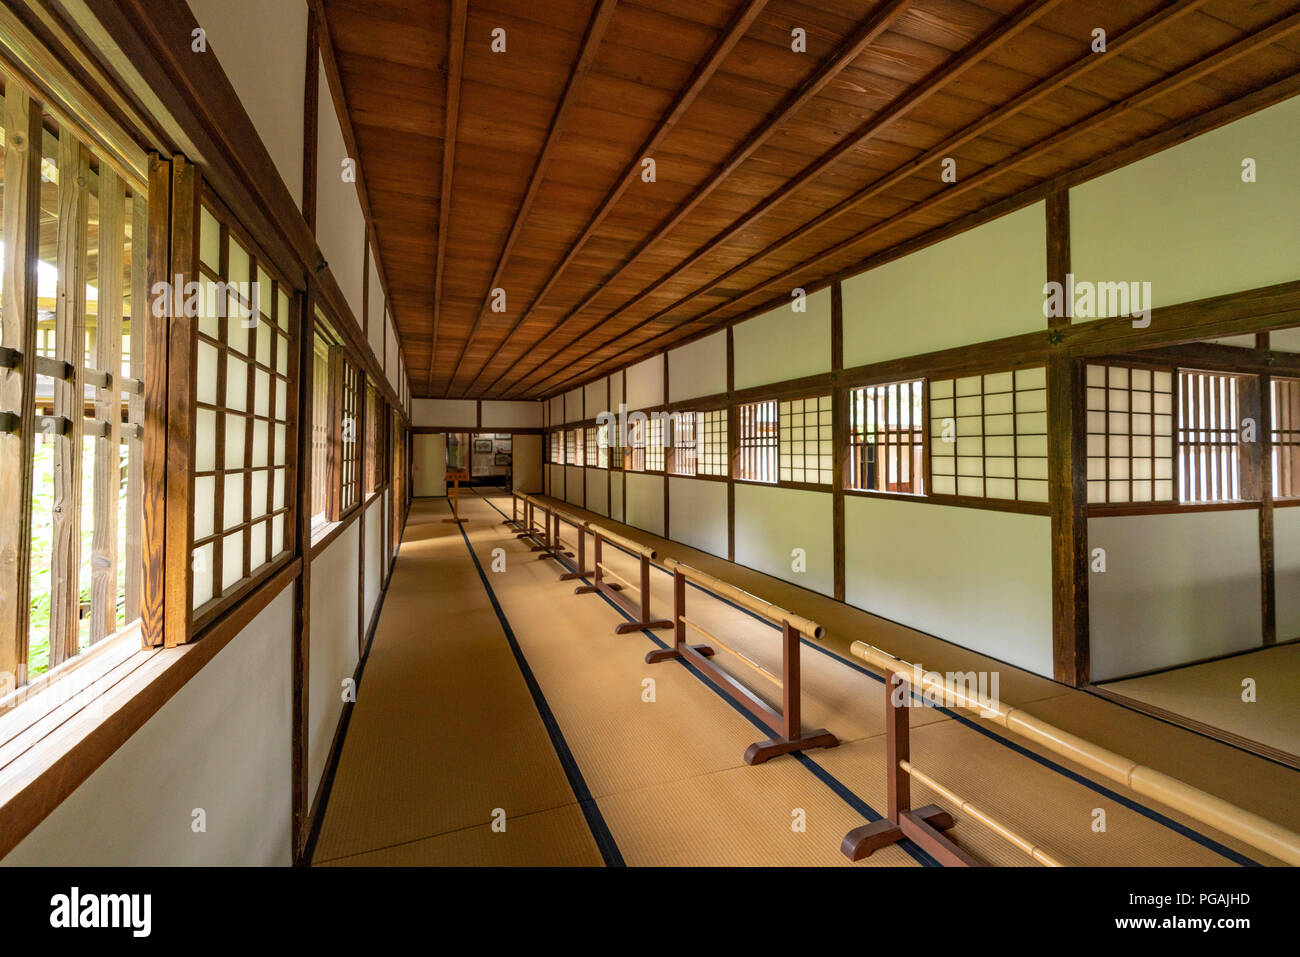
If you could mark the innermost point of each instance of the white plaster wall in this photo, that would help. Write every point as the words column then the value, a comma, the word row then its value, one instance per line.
column 783, row 344
column 1184, row 221
column 340, row 224
column 698, row 368
column 437, row 413
column 645, row 501
column 598, row 490
column 616, row 496
column 983, row 284
column 977, row 577
column 502, row 416
column 645, row 383
column 374, row 556
column 697, row 512
column 771, row 522
column 1286, row 570
column 574, row 484
column 1177, row 588
column 262, row 48
column 428, row 465
column 334, row 645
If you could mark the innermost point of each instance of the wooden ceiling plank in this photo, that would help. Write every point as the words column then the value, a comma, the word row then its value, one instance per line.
column 1034, row 94
column 981, row 47
column 596, row 27
column 726, row 42
column 866, row 32
column 455, row 69
column 1279, row 29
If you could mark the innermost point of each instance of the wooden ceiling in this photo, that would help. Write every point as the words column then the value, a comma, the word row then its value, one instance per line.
column 774, row 168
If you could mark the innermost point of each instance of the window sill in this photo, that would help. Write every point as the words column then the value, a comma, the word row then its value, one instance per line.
column 62, row 732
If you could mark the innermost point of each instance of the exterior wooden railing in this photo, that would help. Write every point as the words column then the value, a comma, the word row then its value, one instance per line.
column 925, row 825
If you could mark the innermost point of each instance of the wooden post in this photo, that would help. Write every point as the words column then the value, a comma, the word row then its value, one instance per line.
column 898, row 746
column 922, row 825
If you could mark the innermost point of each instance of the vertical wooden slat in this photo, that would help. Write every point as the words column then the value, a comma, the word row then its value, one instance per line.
column 182, row 359
column 839, row 437
column 149, row 325
column 1264, row 491
column 18, row 307
column 108, row 405
column 70, row 347
column 134, row 557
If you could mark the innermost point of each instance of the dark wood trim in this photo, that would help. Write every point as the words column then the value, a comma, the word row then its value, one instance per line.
column 301, row 641
column 1068, row 502
column 839, row 440
column 733, row 445
column 311, row 118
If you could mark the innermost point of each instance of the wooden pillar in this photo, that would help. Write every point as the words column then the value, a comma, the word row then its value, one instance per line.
column 733, row 446
column 839, row 440
column 1067, row 463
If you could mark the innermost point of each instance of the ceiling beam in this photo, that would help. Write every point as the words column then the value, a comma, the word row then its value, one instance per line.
column 455, row 69
column 726, row 42
column 596, row 27
column 848, row 51
column 1034, row 94
column 980, row 48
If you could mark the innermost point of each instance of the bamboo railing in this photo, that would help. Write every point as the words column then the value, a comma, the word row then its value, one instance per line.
column 925, row 824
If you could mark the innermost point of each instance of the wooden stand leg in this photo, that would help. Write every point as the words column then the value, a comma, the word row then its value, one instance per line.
column 794, row 738
column 922, row 825
column 454, row 499
column 678, row 626
column 581, row 571
column 646, row 622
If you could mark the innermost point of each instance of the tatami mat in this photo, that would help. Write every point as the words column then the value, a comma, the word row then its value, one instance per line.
column 1211, row 693
column 445, row 730
column 1052, row 802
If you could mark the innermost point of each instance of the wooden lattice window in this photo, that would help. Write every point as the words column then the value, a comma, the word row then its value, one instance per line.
column 886, row 438
column 71, row 394
column 988, row 435
column 654, row 444
column 1209, row 437
column 243, row 397
column 591, row 443
column 321, row 405
column 711, row 443
column 685, row 453
column 1285, row 437
column 348, row 446
column 602, row 446
column 553, row 445
column 1130, row 434
column 806, row 440
column 756, row 459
